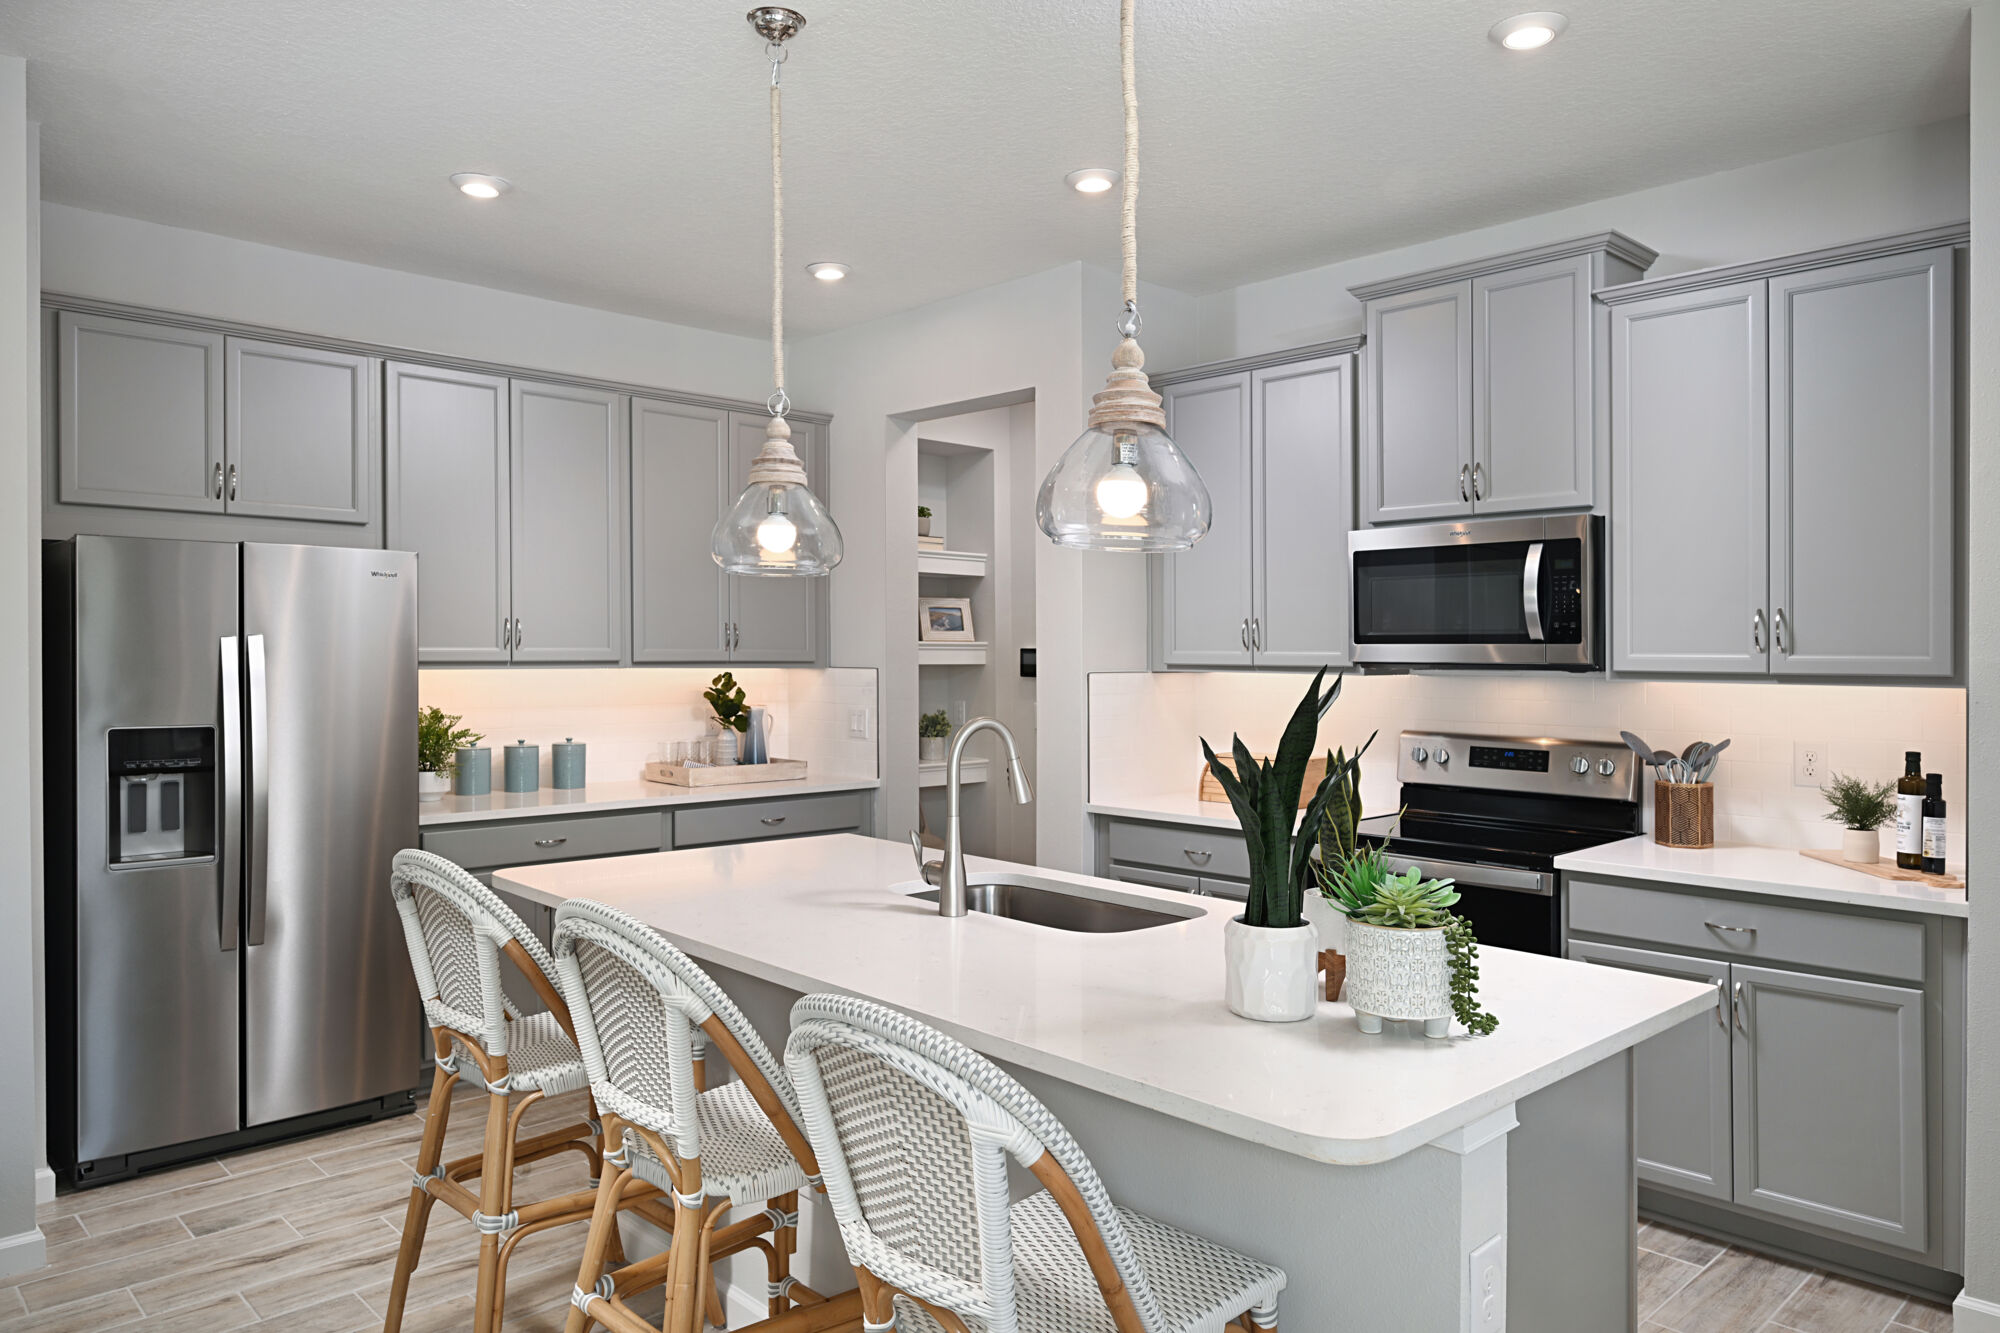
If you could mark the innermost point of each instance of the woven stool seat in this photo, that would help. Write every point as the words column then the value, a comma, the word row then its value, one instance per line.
column 540, row 1056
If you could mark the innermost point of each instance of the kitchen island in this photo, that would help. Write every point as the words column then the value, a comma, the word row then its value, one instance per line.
column 1391, row 1176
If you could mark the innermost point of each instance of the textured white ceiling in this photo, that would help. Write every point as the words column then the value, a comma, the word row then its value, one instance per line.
column 925, row 143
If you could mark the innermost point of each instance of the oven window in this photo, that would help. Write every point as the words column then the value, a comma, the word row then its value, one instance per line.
column 1441, row 594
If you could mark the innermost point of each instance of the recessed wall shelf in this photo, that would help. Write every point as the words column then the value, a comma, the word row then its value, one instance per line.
column 959, row 564
column 951, row 654
column 969, row 771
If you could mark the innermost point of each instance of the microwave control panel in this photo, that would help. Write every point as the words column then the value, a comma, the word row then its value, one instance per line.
column 1562, row 583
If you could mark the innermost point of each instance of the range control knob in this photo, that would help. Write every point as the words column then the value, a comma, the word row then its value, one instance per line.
column 1579, row 765
column 1607, row 767
column 1443, row 755
column 1420, row 754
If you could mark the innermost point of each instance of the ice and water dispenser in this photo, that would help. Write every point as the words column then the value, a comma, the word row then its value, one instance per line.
column 162, row 794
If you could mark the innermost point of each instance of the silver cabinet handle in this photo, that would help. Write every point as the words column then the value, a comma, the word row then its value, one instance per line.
column 1778, row 631
column 772, row 820
column 232, row 783
column 259, row 746
column 517, row 631
column 1464, row 482
column 1196, row 855
column 1531, row 591
column 1757, row 629
column 1257, row 633
column 1733, row 930
column 1243, row 633
column 218, row 481
column 232, row 481
column 1478, row 482
column 1736, row 1007
column 1723, row 1007
column 550, row 842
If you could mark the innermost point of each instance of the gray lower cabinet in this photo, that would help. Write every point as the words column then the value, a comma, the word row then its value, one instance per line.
column 756, row 821
column 568, row 515
column 773, row 619
column 299, row 433
column 449, row 501
column 680, row 465
column 1195, row 860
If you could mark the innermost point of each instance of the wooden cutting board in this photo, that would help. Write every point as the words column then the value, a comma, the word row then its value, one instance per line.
column 1885, row 869
column 1211, row 786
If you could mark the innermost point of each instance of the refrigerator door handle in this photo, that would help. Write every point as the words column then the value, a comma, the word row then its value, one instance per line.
column 255, row 891
column 232, row 790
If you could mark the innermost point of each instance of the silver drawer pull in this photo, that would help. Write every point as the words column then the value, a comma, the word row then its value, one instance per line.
column 1195, row 855
column 772, row 819
column 1736, row 1006
column 550, row 842
column 1733, row 930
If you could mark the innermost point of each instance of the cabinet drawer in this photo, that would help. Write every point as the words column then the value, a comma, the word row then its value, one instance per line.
column 1738, row 928
column 1159, row 879
column 702, row 825
column 1200, row 851
column 519, row 842
column 1232, row 889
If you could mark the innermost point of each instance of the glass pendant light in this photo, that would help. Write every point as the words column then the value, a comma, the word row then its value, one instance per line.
column 1124, row 486
column 777, row 527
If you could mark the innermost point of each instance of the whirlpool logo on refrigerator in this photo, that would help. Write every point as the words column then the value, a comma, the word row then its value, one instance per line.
column 382, row 574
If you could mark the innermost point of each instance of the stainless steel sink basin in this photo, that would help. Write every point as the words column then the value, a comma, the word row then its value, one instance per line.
column 1060, row 905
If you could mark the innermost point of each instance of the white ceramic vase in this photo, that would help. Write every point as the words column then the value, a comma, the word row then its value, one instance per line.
column 725, row 745
column 1398, row 974
column 1863, row 846
column 923, row 525
column 933, row 749
column 432, row 786
column 1273, row 975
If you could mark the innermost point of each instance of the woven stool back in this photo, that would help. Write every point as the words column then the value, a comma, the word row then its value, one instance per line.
column 456, row 928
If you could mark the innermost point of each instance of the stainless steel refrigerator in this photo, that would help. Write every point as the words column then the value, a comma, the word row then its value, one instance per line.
column 231, row 765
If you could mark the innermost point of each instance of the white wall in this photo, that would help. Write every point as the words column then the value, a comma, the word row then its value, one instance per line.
column 191, row 272
column 1870, row 187
column 21, row 1246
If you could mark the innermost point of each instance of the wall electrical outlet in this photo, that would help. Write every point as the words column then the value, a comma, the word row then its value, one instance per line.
column 1808, row 763
column 857, row 723
column 1489, row 1286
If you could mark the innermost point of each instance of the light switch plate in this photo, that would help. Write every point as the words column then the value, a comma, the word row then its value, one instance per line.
column 857, row 723
column 1488, row 1276
column 1808, row 763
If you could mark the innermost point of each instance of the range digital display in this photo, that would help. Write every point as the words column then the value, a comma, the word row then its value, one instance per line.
column 1520, row 759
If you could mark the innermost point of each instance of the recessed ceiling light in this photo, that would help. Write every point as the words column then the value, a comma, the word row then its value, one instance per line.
column 1091, row 180
column 1529, row 32
column 827, row 272
column 480, row 186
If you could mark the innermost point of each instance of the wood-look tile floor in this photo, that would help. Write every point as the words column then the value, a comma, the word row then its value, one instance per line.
column 301, row 1237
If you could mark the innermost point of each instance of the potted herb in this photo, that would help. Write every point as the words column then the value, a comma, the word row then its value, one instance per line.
column 439, row 739
column 1272, row 951
column 1862, row 809
column 933, row 729
column 923, row 520
column 731, row 715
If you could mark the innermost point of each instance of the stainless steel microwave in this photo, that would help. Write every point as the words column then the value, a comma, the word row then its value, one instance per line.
column 1485, row 592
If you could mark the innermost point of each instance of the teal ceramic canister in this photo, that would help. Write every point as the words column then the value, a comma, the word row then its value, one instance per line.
column 566, row 764
column 523, row 767
column 473, row 774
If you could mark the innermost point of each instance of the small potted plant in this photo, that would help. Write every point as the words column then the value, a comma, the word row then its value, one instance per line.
column 933, row 730
column 439, row 739
column 731, row 715
column 1861, row 808
column 1272, row 951
column 923, row 520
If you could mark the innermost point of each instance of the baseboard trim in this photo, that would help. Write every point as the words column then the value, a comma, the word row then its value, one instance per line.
column 744, row 1308
column 45, row 1186
column 1969, row 1314
column 22, row 1252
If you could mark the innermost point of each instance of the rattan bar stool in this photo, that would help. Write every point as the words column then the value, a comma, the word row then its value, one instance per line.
column 457, row 931
column 913, row 1132
column 640, row 1004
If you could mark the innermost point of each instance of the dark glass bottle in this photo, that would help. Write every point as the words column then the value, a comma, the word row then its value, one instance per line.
column 1934, row 824
column 1910, row 813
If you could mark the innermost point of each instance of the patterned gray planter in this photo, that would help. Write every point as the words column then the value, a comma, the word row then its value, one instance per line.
column 1398, row 974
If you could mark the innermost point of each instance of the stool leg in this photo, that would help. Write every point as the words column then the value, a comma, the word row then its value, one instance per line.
column 683, row 1293
column 784, row 1240
column 493, row 1197
column 417, row 1219
column 597, row 1243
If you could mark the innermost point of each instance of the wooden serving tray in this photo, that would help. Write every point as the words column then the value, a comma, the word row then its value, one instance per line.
column 1211, row 786
column 1885, row 869
column 726, row 775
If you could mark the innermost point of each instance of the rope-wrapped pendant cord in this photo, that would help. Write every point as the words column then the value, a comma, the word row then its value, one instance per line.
column 1129, row 223
column 1127, row 400
column 778, row 238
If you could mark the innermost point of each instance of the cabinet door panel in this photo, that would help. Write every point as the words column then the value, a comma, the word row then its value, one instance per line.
column 775, row 619
column 679, row 600
column 1531, row 388
column 1204, row 595
column 1829, row 1078
column 1861, row 467
column 1416, row 441
column 569, row 524
column 1689, row 518
column 448, row 502
column 298, row 432
column 1302, row 420
column 1681, row 1079
column 138, row 415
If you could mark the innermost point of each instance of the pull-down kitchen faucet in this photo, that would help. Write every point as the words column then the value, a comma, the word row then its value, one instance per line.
column 949, row 874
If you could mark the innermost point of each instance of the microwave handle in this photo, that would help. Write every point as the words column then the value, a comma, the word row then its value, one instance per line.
column 1531, row 591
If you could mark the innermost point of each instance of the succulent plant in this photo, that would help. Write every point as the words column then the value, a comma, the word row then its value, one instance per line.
column 1365, row 889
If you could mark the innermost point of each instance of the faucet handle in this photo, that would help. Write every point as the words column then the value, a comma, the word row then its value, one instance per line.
column 932, row 871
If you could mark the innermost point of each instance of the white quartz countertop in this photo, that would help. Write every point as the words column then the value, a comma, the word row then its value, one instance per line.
column 1776, row 871
column 632, row 795
column 1138, row 1016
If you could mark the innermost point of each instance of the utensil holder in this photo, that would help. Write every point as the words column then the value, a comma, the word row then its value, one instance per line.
column 1684, row 814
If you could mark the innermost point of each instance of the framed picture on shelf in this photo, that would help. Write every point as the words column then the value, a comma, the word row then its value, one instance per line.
column 945, row 620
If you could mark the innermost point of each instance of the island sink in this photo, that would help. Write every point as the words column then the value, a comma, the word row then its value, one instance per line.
column 1058, row 905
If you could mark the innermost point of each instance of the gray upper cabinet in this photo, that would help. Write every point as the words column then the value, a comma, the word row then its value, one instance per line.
column 1689, row 514
column 1206, row 594
column 1681, row 1080
column 569, row 467
column 1303, row 425
column 772, row 619
column 300, row 438
column 1532, row 442
column 139, row 414
column 448, row 500
column 1416, row 456
column 680, row 601
column 1829, row 1077
column 1861, row 468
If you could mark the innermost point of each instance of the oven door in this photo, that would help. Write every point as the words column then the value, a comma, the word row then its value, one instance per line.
column 1517, row 592
column 1508, row 907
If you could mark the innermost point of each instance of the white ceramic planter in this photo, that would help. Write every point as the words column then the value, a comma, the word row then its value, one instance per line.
column 923, row 525
column 1273, row 974
column 1863, row 846
column 431, row 786
column 1398, row 974
column 933, row 749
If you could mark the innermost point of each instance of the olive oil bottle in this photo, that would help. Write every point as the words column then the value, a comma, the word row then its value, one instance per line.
column 1910, row 812
column 1934, row 848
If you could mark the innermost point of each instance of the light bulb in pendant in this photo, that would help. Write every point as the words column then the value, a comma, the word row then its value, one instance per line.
column 1121, row 492
column 777, row 534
